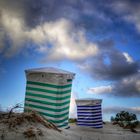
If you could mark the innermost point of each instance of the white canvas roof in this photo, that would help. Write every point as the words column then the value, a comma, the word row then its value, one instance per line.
column 49, row 70
column 88, row 101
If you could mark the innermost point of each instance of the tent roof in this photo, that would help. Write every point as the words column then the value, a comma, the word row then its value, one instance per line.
column 49, row 70
column 88, row 100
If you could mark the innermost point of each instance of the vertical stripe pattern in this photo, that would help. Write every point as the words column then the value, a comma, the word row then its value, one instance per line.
column 50, row 100
column 89, row 115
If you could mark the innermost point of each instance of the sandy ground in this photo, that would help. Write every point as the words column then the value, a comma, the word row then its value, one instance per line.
column 32, row 126
column 108, row 132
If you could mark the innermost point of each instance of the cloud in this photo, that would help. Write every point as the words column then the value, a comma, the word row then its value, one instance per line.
column 60, row 30
column 129, row 59
column 126, row 87
column 14, row 28
column 129, row 11
column 66, row 40
column 68, row 43
column 100, row 90
column 30, row 21
column 117, row 67
column 110, row 63
column 116, row 109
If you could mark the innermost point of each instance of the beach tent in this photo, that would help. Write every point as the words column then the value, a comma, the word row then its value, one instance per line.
column 89, row 112
column 48, row 91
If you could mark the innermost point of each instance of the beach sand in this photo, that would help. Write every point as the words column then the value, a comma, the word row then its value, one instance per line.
column 108, row 132
column 32, row 126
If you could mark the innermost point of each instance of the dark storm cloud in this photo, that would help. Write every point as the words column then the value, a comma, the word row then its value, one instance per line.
column 128, row 10
column 81, row 13
column 128, row 87
column 86, row 14
column 13, row 7
column 111, row 64
column 97, row 17
column 45, row 22
column 117, row 67
column 36, row 12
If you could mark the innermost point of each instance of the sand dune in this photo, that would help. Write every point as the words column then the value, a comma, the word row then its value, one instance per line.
column 26, row 127
column 109, row 132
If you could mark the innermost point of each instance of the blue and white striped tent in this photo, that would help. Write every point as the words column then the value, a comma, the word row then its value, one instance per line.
column 48, row 91
column 89, row 113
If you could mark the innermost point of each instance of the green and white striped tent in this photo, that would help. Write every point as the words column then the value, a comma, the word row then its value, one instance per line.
column 48, row 91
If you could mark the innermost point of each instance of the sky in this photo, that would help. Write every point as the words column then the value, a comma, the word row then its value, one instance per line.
column 99, row 40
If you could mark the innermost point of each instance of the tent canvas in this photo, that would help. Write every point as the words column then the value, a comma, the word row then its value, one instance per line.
column 48, row 91
column 89, row 112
